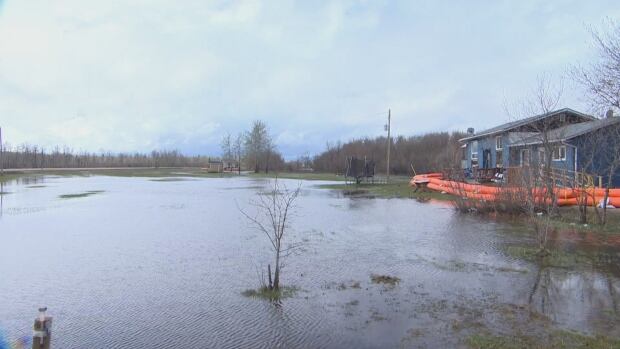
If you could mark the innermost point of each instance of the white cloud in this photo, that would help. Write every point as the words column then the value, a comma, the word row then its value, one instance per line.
column 143, row 74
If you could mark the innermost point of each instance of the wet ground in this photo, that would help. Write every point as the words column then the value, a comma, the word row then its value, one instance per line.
column 141, row 262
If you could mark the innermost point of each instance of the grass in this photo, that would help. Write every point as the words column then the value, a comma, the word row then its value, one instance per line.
column 557, row 339
column 117, row 172
column 308, row 176
column 399, row 188
column 8, row 177
column 559, row 258
column 569, row 218
column 81, row 195
column 384, row 279
column 170, row 179
column 271, row 294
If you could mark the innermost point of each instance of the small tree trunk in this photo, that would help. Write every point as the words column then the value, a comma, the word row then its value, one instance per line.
column 276, row 275
column 269, row 273
column 604, row 219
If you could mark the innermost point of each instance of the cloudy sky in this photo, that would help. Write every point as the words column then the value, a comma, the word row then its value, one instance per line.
column 137, row 75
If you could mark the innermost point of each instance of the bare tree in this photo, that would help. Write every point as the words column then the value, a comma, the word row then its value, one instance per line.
column 227, row 147
column 272, row 219
column 237, row 149
column 601, row 79
column 601, row 82
column 537, row 180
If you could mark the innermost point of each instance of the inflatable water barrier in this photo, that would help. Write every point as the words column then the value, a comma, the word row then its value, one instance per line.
column 565, row 196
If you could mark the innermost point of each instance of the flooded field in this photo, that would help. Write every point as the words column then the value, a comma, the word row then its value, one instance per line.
column 162, row 263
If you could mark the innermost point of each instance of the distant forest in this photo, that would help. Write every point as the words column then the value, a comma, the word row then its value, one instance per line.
column 26, row 156
column 426, row 153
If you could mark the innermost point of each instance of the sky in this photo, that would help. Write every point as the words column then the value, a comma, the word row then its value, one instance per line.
column 139, row 75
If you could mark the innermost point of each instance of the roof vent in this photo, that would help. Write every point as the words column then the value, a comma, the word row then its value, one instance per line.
column 610, row 113
column 470, row 131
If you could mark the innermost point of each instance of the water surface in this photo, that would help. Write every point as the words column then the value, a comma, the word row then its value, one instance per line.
column 161, row 264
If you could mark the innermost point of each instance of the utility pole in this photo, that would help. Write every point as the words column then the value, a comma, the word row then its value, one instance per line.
column 1, row 162
column 389, row 143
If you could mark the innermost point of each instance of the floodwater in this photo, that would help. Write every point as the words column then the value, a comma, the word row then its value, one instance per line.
column 162, row 264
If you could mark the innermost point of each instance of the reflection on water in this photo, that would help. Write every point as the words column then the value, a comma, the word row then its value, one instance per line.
column 162, row 264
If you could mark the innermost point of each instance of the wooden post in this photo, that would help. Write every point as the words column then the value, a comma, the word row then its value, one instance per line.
column 42, row 331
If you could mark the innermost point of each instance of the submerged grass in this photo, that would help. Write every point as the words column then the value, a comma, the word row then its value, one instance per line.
column 271, row 294
column 384, row 279
column 559, row 258
column 81, row 195
column 557, row 339
column 170, row 179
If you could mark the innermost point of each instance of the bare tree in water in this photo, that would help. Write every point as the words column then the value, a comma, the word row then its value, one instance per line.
column 536, row 180
column 272, row 218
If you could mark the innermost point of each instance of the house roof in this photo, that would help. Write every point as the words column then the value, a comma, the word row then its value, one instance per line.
column 514, row 124
column 571, row 131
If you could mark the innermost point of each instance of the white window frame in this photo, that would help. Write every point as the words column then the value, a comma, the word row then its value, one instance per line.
column 474, row 150
column 557, row 153
column 500, row 141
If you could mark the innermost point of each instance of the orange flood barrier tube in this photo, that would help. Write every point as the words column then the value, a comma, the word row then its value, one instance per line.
column 565, row 196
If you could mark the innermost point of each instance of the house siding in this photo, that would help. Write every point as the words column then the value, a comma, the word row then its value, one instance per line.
column 600, row 160
column 488, row 144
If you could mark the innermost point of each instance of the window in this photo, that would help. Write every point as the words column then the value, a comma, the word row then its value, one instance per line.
column 562, row 118
column 498, row 143
column 525, row 157
column 559, row 153
column 474, row 150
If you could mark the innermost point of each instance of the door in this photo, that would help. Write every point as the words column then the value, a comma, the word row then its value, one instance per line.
column 486, row 159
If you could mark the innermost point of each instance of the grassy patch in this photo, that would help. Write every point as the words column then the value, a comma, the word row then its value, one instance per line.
column 271, row 294
column 352, row 284
column 569, row 219
column 560, row 258
column 81, row 195
column 396, row 189
column 384, row 279
column 171, row 179
column 117, row 172
column 36, row 186
column 309, row 176
column 556, row 339
column 8, row 177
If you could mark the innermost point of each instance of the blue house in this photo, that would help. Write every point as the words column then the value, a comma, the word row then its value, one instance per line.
column 520, row 143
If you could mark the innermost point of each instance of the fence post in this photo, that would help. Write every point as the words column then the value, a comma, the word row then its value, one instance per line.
column 42, row 331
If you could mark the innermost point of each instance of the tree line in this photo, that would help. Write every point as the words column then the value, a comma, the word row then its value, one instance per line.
column 32, row 156
column 424, row 153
